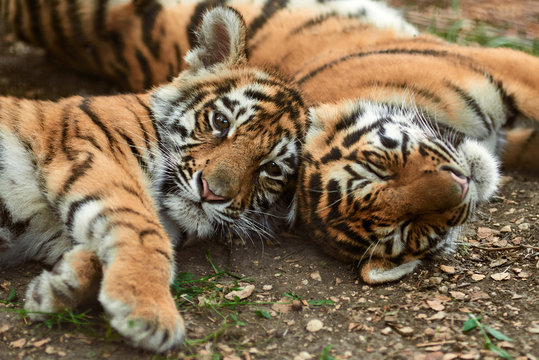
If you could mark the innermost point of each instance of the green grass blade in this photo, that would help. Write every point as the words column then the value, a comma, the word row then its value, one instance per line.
column 470, row 324
column 500, row 352
column 498, row 335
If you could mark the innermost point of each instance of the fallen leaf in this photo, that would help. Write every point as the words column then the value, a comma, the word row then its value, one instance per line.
column 506, row 229
column 4, row 328
column 435, row 305
column 283, row 306
column 479, row 295
column 440, row 315
column 41, row 342
column 18, row 343
column 352, row 327
column 478, row 277
column 498, row 262
column 524, row 275
column 316, row 276
column 386, row 331
column 483, row 232
column 501, row 276
column 458, row 295
column 448, row 269
column 243, row 293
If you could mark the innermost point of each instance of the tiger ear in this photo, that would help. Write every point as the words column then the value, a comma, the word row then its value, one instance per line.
column 221, row 40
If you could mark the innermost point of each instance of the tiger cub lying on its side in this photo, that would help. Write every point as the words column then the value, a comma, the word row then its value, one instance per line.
column 104, row 187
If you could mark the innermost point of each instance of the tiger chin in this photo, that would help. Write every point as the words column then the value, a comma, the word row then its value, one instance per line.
column 104, row 187
column 386, row 186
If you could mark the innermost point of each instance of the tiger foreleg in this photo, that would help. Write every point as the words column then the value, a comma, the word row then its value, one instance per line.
column 73, row 280
column 135, row 292
column 377, row 271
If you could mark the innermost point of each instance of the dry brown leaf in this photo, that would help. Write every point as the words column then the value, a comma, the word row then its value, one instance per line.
column 17, row 344
column 458, row 295
column 479, row 295
column 40, row 343
column 501, row 276
column 435, row 305
column 4, row 328
column 498, row 262
column 243, row 293
column 316, row 276
column 448, row 269
column 283, row 306
column 440, row 315
column 483, row 232
column 478, row 277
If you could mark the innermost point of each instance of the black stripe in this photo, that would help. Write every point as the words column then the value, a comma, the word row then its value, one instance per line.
column 145, row 68
column 270, row 8
column 77, row 172
column 100, row 16
column 147, row 232
column 471, row 103
column 135, row 152
column 61, row 40
column 333, row 155
column 78, row 36
column 313, row 22
column 74, row 207
column 369, row 53
column 334, row 194
column 148, row 11
column 17, row 20
column 36, row 26
column 85, row 107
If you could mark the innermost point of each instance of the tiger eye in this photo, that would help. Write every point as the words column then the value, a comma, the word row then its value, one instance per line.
column 272, row 169
column 220, row 122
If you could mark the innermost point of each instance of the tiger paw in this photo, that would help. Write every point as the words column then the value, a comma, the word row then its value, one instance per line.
column 152, row 325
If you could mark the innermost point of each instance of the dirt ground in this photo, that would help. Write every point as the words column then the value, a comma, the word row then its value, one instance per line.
column 420, row 317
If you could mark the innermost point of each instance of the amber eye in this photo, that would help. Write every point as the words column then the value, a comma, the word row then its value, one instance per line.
column 220, row 123
column 272, row 169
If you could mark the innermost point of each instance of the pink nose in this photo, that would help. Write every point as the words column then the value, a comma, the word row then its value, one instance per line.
column 462, row 181
column 207, row 195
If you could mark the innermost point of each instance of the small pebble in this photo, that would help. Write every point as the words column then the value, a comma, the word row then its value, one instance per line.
column 314, row 325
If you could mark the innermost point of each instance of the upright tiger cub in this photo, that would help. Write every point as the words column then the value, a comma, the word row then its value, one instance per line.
column 103, row 187
column 407, row 130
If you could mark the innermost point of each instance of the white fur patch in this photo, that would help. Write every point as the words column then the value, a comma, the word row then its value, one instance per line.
column 381, row 276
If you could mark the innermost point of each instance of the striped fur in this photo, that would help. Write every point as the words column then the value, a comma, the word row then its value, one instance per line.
column 103, row 187
column 140, row 43
column 369, row 66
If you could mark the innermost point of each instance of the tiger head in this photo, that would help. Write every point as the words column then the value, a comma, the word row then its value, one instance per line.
column 230, row 137
column 385, row 181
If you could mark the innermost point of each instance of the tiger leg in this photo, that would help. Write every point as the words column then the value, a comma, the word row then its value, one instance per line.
column 73, row 280
column 122, row 226
column 377, row 271
column 521, row 150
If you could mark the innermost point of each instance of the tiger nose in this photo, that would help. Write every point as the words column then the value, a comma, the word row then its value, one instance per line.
column 206, row 194
column 462, row 180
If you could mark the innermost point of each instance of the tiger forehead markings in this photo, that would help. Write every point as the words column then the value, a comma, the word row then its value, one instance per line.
column 238, row 149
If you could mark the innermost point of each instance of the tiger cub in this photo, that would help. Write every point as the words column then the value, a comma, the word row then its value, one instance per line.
column 408, row 141
column 104, row 187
